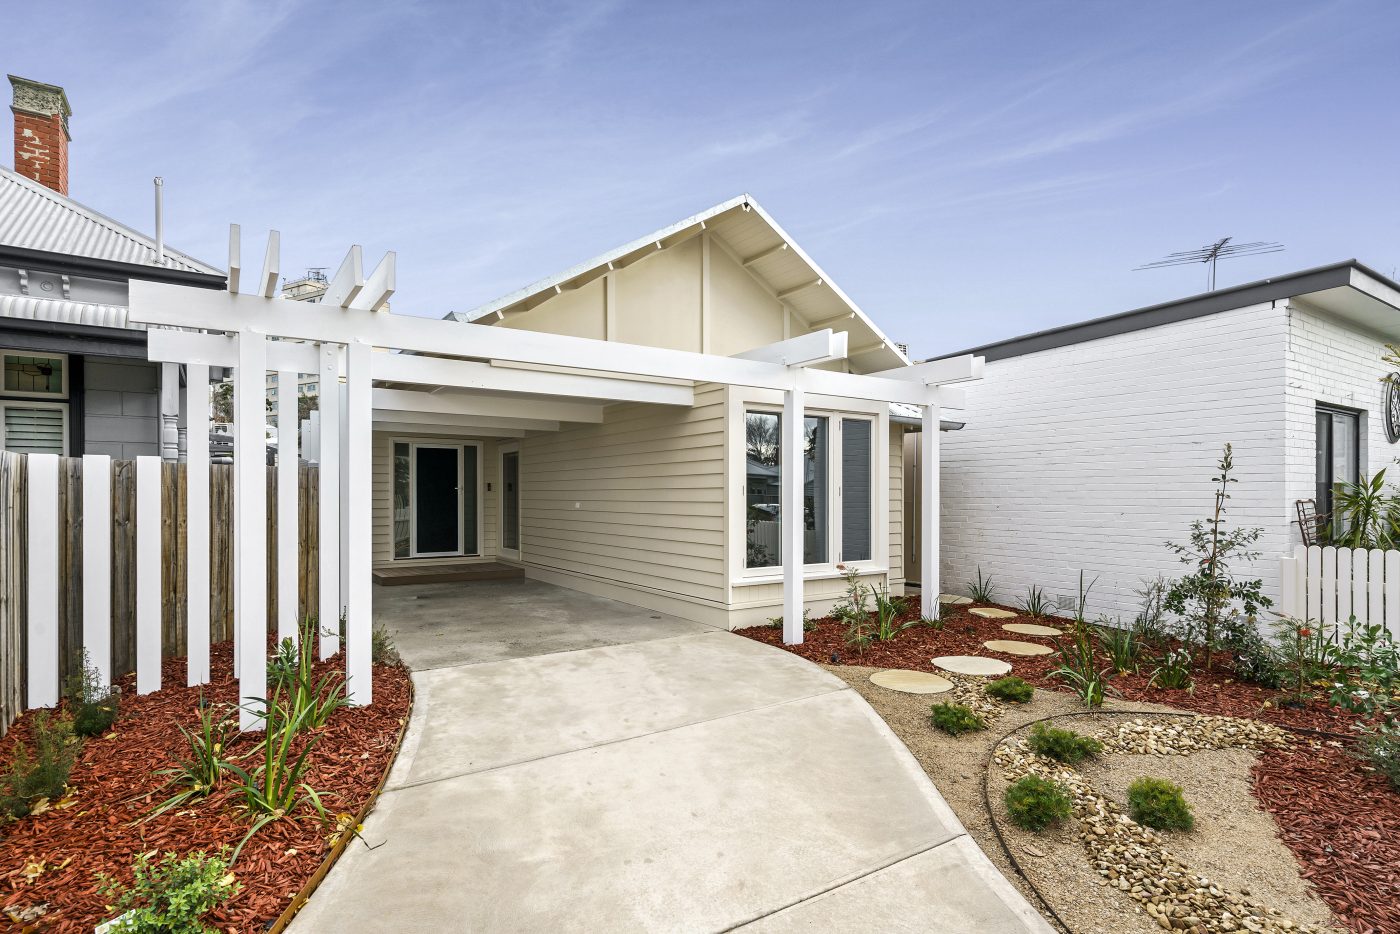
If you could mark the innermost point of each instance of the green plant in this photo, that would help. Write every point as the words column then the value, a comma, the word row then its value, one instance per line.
column 1157, row 803
column 955, row 719
column 1010, row 688
column 93, row 700
column 854, row 606
column 1063, row 745
column 858, row 636
column 1081, row 603
column 887, row 612
column 1173, row 670
column 1078, row 667
column 1034, row 803
column 1303, row 656
column 808, row 624
column 1036, row 605
column 170, row 897
column 45, row 774
column 382, row 648
column 981, row 590
column 1380, row 749
column 1149, row 623
column 292, row 671
column 1364, row 514
column 200, row 774
column 1367, row 670
column 1120, row 644
column 1255, row 661
column 1205, row 598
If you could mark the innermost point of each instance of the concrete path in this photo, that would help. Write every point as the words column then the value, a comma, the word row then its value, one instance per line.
column 678, row 779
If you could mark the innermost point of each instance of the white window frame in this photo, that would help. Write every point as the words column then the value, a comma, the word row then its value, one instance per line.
column 17, row 394
column 511, row 554
column 27, row 403
column 743, row 400
column 413, row 445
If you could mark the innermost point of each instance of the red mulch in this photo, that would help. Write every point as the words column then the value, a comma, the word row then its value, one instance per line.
column 1340, row 820
column 116, row 787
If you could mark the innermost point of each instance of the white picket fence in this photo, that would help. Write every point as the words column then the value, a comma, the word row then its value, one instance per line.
column 1330, row 585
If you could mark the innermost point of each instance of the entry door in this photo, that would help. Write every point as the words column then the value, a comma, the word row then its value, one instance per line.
column 437, row 506
column 510, row 503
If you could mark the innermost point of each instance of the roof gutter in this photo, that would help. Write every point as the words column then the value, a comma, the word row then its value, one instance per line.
column 107, row 269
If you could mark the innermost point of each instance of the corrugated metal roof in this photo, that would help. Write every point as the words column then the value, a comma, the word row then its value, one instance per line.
column 38, row 218
column 61, row 312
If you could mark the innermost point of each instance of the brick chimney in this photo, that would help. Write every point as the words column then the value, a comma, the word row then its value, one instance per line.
column 41, row 132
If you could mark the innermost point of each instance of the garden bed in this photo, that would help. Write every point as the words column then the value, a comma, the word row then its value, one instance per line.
column 53, row 858
column 1337, row 817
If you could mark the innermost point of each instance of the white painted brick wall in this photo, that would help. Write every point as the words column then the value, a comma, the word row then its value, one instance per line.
column 1092, row 456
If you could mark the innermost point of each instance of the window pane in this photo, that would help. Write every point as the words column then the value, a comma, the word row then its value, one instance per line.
column 400, row 500
column 855, row 490
column 510, row 505
column 816, row 493
column 33, row 374
column 34, row 430
column 470, row 465
column 762, row 489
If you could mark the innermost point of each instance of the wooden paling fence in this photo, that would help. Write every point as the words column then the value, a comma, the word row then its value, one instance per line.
column 1330, row 585
column 105, row 577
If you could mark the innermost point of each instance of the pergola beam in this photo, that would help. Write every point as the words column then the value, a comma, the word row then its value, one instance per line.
column 471, row 374
column 939, row 372
column 404, row 400
column 464, row 422
column 272, row 265
column 235, row 256
column 379, row 286
column 804, row 350
column 410, row 427
column 348, row 280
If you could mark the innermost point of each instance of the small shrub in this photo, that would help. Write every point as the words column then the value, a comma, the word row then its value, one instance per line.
column 887, row 611
column 45, row 773
column 172, row 896
column 981, row 590
column 1037, row 604
column 1078, row 668
column 1121, row 645
column 1380, row 749
column 1064, row 746
column 955, row 719
column 774, row 622
column 201, row 773
column 1010, row 688
column 1256, row 662
column 1034, row 803
column 93, row 700
column 1173, row 670
column 384, row 652
column 1157, row 803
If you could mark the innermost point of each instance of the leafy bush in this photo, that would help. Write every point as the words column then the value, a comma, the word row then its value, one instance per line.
column 1078, row 668
column 981, row 590
column 1364, row 514
column 1303, row 655
column 1367, row 662
column 1036, row 604
column 955, row 719
column 1255, row 660
column 291, row 672
column 45, row 774
column 93, row 700
column 774, row 622
column 1010, row 688
column 1120, row 644
column 172, row 896
column 1150, row 621
column 202, row 772
column 1173, row 670
column 1034, row 803
column 887, row 611
column 1380, row 749
column 384, row 652
column 1157, row 803
column 1063, row 745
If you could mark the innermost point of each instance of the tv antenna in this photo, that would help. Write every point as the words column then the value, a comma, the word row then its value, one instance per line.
column 1213, row 253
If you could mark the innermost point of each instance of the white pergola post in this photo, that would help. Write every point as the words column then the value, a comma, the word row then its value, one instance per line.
column 928, row 511
column 328, row 518
column 97, row 563
column 288, row 552
column 250, row 524
column 344, row 503
column 793, row 521
column 148, row 577
column 197, row 523
column 42, row 520
column 359, row 611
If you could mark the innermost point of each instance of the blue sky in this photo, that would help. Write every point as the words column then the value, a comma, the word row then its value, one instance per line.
column 965, row 171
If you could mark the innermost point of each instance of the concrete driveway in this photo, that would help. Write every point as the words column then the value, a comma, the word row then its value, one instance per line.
column 644, row 776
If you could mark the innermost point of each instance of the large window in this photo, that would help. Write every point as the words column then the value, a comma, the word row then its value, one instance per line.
column 822, row 493
column 1338, row 452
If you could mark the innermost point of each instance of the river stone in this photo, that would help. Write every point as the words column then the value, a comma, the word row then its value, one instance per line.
column 1032, row 629
column 953, row 599
column 911, row 682
column 1012, row 647
column 972, row 665
column 991, row 612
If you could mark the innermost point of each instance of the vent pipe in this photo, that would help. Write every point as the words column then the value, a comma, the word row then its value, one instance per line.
column 160, row 222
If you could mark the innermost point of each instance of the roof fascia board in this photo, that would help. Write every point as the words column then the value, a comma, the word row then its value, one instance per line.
column 106, row 269
column 27, row 334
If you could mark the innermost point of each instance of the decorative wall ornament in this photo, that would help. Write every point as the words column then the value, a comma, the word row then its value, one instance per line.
column 1392, row 408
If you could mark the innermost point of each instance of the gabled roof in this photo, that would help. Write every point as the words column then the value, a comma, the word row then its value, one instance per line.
column 764, row 249
column 34, row 217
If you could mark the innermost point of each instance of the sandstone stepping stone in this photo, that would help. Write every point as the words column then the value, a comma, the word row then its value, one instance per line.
column 954, row 599
column 1012, row 647
column 972, row 665
column 991, row 612
column 911, row 682
column 1032, row 629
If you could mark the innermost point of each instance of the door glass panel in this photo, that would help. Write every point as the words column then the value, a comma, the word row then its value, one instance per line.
column 510, row 504
column 401, row 500
column 816, row 492
column 470, row 507
column 855, row 490
column 435, row 511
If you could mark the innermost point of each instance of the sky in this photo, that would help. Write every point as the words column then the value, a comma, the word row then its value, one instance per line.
column 965, row 171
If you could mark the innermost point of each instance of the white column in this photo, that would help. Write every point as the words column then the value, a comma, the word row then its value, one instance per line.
column 197, row 523
column 288, row 538
column 928, row 511
column 170, row 411
column 42, row 521
column 328, row 519
column 359, row 611
column 148, row 582
column 97, row 563
column 793, row 440
column 344, row 490
column 250, row 522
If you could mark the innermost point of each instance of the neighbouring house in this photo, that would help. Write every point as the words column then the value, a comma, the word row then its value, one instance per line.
column 1089, row 446
column 76, row 376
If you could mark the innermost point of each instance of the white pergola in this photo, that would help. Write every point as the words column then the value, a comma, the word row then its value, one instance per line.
column 451, row 376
